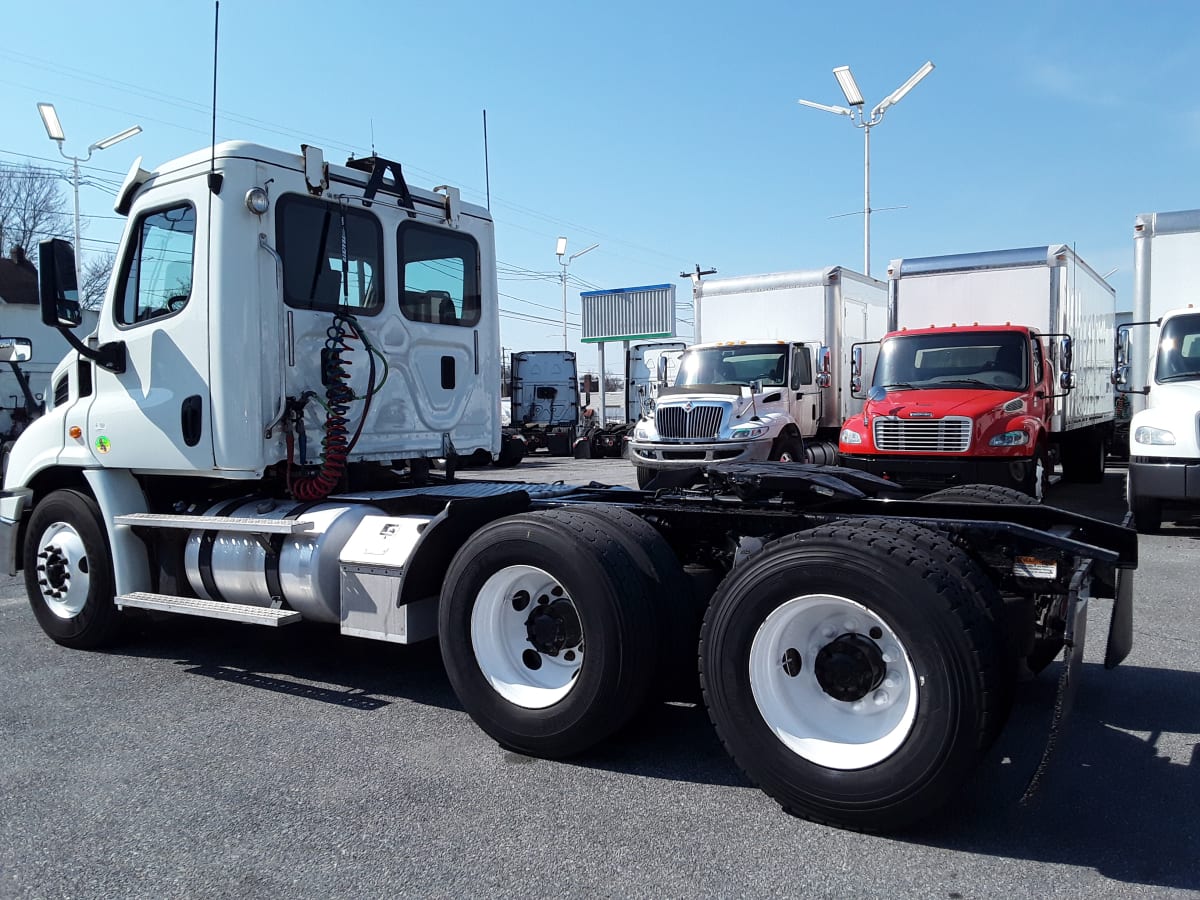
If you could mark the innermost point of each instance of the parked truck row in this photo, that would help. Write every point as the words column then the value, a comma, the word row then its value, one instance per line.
column 288, row 343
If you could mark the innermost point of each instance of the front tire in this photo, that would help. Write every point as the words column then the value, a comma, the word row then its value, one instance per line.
column 790, row 450
column 68, row 572
column 547, row 632
column 851, row 675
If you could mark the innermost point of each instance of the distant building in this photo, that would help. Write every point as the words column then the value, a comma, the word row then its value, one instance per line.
column 18, row 278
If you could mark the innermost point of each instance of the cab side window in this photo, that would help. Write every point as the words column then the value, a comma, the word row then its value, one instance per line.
column 1038, row 369
column 331, row 255
column 439, row 271
column 156, row 277
column 801, row 367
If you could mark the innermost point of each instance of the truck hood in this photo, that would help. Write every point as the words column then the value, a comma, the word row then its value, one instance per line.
column 1182, row 394
column 696, row 391
column 937, row 404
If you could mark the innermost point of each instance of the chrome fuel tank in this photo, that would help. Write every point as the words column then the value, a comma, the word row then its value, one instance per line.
column 300, row 569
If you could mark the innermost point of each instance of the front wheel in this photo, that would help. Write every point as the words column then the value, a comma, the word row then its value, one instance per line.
column 790, row 450
column 851, row 676
column 68, row 571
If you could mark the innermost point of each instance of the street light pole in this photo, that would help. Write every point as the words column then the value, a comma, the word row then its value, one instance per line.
column 857, row 104
column 560, row 250
column 55, row 131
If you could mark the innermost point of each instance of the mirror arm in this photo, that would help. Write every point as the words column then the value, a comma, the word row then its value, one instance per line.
column 110, row 356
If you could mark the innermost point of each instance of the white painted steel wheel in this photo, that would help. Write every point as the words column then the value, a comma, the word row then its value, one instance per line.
column 63, row 570
column 527, row 637
column 833, row 682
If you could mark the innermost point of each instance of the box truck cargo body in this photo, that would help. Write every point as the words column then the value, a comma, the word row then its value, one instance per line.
column 1158, row 366
column 766, row 380
column 996, row 367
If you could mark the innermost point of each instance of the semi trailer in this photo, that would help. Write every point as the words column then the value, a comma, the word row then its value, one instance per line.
column 765, row 380
column 995, row 369
column 247, row 435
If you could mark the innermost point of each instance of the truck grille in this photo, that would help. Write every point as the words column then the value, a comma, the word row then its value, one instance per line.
column 949, row 435
column 699, row 422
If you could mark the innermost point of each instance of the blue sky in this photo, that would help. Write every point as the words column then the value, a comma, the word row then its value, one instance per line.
column 667, row 132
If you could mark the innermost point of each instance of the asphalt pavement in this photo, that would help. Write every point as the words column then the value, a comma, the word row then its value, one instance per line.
column 208, row 759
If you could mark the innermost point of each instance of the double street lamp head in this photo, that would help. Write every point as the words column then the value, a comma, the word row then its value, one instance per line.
column 55, row 130
column 854, row 97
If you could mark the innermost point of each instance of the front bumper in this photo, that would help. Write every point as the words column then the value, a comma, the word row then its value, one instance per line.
column 662, row 455
column 1166, row 479
column 933, row 472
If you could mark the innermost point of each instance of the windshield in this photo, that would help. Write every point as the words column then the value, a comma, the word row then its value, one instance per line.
column 956, row 361
column 736, row 364
column 1179, row 350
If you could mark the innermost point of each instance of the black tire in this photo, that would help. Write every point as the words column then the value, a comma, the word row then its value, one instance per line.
column 1083, row 459
column 1047, row 638
column 613, row 604
column 943, row 635
column 1147, row 513
column 511, row 454
column 789, row 449
column 645, row 475
column 677, row 612
column 68, row 572
column 1034, row 486
column 981, row 493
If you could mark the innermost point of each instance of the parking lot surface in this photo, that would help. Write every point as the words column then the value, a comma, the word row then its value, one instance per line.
column 210, row 759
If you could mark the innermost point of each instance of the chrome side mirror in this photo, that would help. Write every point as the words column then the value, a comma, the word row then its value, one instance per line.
column 856, row 385
column 1120, row 376
column 824, row 367
column 1067, row 354
column 16, row 349
column 1066, row 380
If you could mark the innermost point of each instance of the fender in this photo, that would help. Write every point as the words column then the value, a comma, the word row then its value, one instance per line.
column 117, row 493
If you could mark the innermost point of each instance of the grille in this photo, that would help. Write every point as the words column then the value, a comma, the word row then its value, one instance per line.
column 701, row 422
column 951, row 435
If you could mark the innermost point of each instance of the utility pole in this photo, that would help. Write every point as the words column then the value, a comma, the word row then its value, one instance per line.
column 695, row 277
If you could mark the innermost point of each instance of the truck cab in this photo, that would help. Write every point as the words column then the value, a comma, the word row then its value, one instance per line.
column 956, row 405
column 1164, row 453
column 731, row 401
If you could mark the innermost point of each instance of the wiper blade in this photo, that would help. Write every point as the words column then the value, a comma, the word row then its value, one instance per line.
column 1182, row 376
column 898, row 386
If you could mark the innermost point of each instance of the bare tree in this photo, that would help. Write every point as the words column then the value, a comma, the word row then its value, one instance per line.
column 33, row 206
column 96, row 271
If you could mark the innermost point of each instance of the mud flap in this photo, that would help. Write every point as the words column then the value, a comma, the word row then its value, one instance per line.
column 1073, row 640
column 1120, row 631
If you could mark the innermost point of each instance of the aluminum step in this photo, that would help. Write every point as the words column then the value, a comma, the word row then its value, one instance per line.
column 209, row 609
column 216, row 523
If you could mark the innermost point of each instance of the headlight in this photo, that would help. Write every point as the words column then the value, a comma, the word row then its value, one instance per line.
column 850, row 437
column 642, row 433
column 1144, row 434
column 1010, row 439
column 749, row 432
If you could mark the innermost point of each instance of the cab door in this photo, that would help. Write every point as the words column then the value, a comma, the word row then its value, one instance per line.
column 155, row 414
column 806, row 395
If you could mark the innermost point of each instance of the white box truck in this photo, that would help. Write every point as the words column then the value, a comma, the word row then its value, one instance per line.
column 1158, row 366
column 766, row 379
column 996, row 367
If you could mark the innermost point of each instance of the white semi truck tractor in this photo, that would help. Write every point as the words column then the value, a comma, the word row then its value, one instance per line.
column 247, row 434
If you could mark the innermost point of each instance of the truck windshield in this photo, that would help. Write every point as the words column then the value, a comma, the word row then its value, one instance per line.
column 735, row 364
column 955, row 361
column 1179, row 350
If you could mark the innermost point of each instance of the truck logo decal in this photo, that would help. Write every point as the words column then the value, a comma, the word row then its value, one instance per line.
column 103, row 444
column 920, row 415
column 687, row 407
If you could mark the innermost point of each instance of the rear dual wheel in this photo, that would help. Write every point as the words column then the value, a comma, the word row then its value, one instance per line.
column 548, row 631
column 852, row 675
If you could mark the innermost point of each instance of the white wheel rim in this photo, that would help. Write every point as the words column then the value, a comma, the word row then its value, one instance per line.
column 504, row 650
column 833, row 733
column 63, row 570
